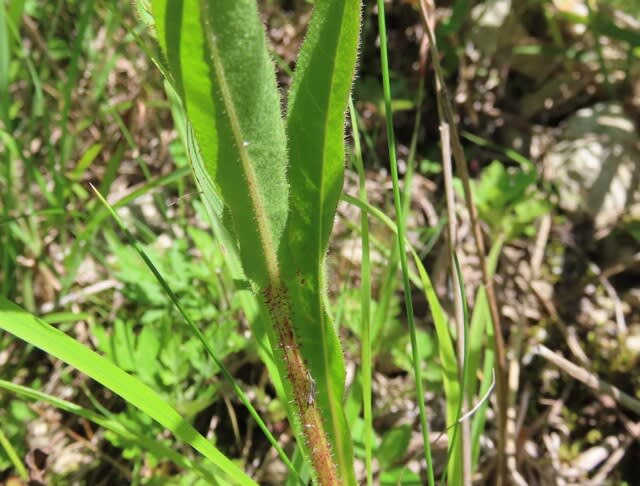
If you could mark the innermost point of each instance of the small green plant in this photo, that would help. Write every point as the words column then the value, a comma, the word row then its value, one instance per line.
column 14, row 415
column 152, row 342
column 274, row 184
column 507, row 200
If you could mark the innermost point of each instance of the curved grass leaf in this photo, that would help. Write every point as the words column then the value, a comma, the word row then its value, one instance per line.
column 315, row 129
column 156, row 447
column 365, row 300
column 448, row 361
column 399, row 207
column 29, row 328
column 479, row 319
column 480, row 324
column 13, row 457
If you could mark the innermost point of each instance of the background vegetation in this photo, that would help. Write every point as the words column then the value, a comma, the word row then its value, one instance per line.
column 81, row 103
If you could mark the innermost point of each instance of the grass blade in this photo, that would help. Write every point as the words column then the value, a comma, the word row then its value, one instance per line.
column 156, row 447
column 73, row 70
column 5, row 57
column 445, row 113
column 365, row 300
column 13, row 456
column 29, row 328
column 459, row 458
column 422, row 280
column 481, row 323
column 401, row 239
column 196, row 330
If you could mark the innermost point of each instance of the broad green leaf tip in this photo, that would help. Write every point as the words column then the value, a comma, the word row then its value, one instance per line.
column 279, row 182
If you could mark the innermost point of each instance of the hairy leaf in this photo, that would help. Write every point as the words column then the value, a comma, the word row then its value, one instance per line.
column 232, row 101
column 315, row 129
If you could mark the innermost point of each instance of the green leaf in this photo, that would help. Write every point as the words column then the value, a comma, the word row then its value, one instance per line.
column 394, row 446
column 506, row 199
column 315, row 122
column 29, row 328
column 230, row 95
column 400, row 476
column 216, row 52
column 150, row 444
column 181, row 36
column 234, row 136
column 315, row 129
column 481, row 324
column 446, row 352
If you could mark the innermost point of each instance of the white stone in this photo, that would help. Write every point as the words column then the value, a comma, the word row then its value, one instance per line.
column 596, row 165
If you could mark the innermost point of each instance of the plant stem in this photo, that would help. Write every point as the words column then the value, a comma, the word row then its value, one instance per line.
column 365, row 300
column 391, row 143
column 460, row 323
column 302, row 385
column 445, row 112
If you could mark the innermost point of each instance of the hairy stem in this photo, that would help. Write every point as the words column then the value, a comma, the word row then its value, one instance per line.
column 302, row 385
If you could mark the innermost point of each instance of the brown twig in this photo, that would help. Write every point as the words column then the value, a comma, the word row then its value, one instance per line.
column 590, row 379
column 621, row 266
column 452, row 226
column 611, row 463
column 511, row 446
column 445, row 113
column 541, row 244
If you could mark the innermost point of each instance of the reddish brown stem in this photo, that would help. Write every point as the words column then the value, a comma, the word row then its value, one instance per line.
column 302, row 386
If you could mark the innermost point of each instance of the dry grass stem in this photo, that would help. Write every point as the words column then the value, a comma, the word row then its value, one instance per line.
column 589, row 379
column 458, row 305
column 445, row 113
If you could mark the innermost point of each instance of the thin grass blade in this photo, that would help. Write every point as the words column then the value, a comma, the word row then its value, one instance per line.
column 29, row 328
column 448, row 362
column 196, row 330
column 365, row 300
column 397, row 200
column 156, row 447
